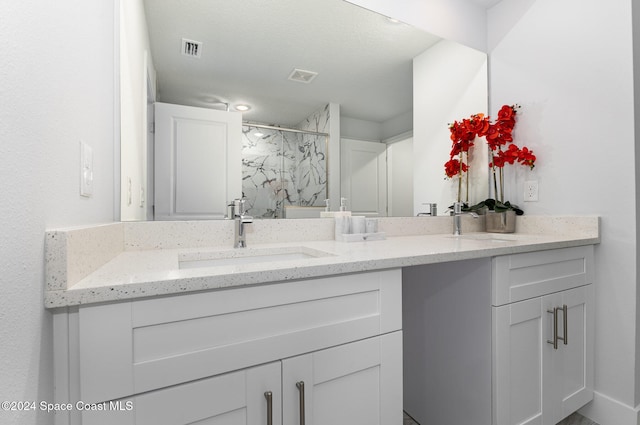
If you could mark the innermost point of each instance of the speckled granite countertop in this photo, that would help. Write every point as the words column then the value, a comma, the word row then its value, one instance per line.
column 137, row 273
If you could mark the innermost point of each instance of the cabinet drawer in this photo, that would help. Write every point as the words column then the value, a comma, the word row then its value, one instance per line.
column 138, row 346
column 519, row 277
column 232, row 398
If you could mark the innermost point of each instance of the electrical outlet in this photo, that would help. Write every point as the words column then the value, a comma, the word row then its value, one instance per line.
column 86, row 170
column 531, row 191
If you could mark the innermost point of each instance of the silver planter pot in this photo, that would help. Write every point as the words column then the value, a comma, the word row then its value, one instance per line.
column 501, row 222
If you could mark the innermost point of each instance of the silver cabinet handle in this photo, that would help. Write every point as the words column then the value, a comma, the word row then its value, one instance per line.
column 565, row 326
column 555, row 327
column 269, row 396
column 300, row 385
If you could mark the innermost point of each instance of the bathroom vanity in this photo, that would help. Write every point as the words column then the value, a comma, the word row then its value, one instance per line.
column 168, row 328
column 504, row 340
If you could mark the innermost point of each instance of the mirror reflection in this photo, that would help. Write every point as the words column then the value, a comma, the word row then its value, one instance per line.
column 283, row 170
column 323, row 66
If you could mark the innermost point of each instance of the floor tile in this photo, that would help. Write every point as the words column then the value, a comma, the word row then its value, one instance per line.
column 577, row 419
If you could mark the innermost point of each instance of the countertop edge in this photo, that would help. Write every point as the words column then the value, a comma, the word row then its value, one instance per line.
column 62, row 298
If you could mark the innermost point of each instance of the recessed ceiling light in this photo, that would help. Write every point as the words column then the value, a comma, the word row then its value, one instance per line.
column 242, row 108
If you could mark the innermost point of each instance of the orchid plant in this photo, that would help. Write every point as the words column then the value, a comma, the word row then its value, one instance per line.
column 499, row 137
column 463, row 135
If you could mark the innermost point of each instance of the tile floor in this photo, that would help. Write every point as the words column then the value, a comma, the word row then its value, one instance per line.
column 575, row 419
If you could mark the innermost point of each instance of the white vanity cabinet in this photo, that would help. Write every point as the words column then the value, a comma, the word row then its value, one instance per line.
column 542, row 335
column 212, row 356
column 475, row 338
column 357, row 383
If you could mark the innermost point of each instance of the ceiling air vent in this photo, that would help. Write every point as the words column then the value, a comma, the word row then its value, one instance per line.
column 302, row 76
column 191, row 48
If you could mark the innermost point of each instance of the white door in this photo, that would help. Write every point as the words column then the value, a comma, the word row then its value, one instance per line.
column 198, row 165
column 400, row 178
column 357, row 384
column 363, row 171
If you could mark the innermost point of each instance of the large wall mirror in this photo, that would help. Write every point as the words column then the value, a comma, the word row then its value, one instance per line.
column 340, row 74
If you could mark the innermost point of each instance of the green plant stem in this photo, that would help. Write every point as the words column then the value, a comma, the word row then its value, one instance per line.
column 460, row 180
column 502, row 185
column 467, row 197
column 495, row 182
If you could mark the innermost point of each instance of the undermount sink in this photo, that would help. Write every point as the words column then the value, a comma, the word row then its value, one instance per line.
column 247, row 256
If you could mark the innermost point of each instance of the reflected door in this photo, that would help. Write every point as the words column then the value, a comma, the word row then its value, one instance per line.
column 363, row 171
column 197, row 162
column 400, row 178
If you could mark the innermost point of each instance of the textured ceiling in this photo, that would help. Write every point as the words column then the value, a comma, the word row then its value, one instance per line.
column 250, row 47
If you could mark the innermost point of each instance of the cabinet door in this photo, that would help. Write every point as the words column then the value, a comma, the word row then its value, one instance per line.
column 518, row 356
column 236, row 398
column 535, row 382
column 574, row 366
column 357, row 384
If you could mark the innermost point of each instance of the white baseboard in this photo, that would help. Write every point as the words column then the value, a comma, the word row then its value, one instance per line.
column 607, row 411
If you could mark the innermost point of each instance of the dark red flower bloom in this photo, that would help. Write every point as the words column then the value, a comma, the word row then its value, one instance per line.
column 506, row 112
column 452, row 167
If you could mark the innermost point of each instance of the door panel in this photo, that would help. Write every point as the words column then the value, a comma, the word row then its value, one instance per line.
column 357, row 384
column 363, row 172
column 518, row 357
column 576, row 387
column 197, row 162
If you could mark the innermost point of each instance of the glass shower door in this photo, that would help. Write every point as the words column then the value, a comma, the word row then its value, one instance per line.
column 281, row 168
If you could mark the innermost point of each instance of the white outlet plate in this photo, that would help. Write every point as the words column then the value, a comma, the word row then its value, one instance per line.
column 531, row 191
column 86, row 170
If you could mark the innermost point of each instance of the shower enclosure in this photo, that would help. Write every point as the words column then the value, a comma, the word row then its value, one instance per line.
column 282, row 167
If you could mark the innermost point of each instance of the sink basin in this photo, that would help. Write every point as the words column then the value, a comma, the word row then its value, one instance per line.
column 247, row 256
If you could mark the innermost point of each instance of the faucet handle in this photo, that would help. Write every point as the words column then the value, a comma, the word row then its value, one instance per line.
column 457, row 207
column 231, row 211
column 238, row 206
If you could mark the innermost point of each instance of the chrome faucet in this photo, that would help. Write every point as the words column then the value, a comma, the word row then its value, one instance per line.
column 237, row 211
column 433, row 210
column 457, row 217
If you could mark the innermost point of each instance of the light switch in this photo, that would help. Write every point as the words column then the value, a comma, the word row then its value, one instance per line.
column 86, row 170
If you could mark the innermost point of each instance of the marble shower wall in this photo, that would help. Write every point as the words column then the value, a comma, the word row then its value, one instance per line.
column 281, row 168
column 318, row 121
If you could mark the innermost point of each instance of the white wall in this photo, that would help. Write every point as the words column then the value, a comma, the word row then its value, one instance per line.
column 57, row 85
column 397, row 125
column 136, row 64
column 353, row 128
column 449, row 83
column 569, row 64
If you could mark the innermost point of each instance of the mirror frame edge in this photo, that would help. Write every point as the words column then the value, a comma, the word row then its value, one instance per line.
column 117, row 157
